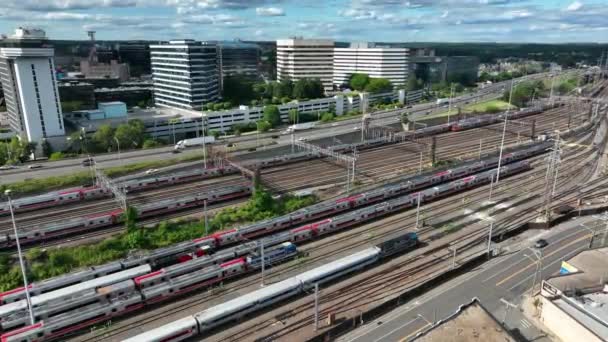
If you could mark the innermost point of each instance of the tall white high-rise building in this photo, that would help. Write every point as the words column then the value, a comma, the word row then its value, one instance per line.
column 27, row 72
column 185, row 74
column 299, row 58
column 375, row 61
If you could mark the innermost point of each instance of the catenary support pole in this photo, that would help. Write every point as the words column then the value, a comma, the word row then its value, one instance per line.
column 25, row 284
column 316, row 306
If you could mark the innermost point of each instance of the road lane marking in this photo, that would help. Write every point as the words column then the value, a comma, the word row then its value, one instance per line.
column 548, row 265
column 584, row 237
column 518, row 253
column 401, row 327
column 525, row 324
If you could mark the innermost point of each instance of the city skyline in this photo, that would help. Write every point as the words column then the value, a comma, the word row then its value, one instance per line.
column 543, row 21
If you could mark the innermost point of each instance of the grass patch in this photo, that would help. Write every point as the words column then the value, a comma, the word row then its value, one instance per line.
column 491, row 106
column 39, row 185
column 54, row 262
column 118, row 171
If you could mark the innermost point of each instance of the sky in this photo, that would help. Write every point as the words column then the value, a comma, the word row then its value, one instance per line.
column 541, row 21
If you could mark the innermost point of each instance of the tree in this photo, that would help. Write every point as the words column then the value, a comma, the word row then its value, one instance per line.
column 306, row 88
column 131, row 219
column 358, row 81
column 238, row 89
column 378, row 85
column 412, row 84
column 104, row 137
column 272, row 115
column 149, row 143
column 132, row 134
column 292, row 115
column 47, row 149
column 282, row 89
column 215, row 134
column 263, row 126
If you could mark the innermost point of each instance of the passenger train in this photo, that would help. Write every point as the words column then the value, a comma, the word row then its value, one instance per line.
column 95, row 301
column 203, row 246
column 231, row 236
column 78, row 194
column 177, row 279
column 243, row 306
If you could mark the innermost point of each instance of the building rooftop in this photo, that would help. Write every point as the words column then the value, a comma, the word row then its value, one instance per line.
column 471, row 322
column 591, row 310
column 590, row 271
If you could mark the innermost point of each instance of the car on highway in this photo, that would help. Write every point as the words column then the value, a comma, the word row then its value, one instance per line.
column 7, row 167
column 541, row 243
column 88, row 162
column 34, row 166
column 302, row 139
column 151, row 171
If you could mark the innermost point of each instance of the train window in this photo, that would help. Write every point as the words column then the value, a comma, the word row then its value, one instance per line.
column 60, row 198
column 114, row 310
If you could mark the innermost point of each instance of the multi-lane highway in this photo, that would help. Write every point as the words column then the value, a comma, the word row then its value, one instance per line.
column 506, row 277
column 385, row 117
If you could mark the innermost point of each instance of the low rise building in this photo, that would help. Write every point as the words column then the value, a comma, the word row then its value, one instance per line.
column 471, row 322
column 574, row 304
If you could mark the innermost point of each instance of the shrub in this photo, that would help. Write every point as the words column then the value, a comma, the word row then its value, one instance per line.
column 326, row 117
column 56, row 156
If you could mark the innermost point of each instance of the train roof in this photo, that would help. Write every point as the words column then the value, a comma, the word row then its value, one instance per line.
column 77, row 288
column 346, row 262
column 166, row 331
column 241, row 302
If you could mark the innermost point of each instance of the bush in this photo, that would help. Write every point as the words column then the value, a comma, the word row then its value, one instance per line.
column 263, row 126
column 149, row 143
column 326, row 117
column 56, row 156
column 59, row 261
column 493, row 109
column 217, row 107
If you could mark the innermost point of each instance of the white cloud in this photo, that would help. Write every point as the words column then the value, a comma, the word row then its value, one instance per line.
column 358, row 13
column 445, row 14
column 269, row 11
column 575, row 6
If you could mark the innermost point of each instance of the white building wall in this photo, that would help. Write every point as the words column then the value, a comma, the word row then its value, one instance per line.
column 41, row 110
column 389, row 63
column 305, row 58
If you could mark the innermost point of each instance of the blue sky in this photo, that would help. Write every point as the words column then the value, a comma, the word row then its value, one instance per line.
column 349, row 20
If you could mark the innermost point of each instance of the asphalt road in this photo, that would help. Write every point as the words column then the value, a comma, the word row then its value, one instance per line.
column 506, row 277
column 346, row 130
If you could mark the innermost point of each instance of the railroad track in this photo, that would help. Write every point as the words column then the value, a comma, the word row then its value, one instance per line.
column 239, row 285
column 375, row 287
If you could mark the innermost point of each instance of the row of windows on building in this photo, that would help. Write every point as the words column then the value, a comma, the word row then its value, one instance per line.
column 38, row 101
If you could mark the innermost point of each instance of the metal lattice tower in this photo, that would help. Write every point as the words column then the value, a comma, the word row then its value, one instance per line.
column 119, row 195
column 348, row 161
column 554, row 160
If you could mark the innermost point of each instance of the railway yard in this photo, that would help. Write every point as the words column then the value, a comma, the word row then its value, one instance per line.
column 403, row 224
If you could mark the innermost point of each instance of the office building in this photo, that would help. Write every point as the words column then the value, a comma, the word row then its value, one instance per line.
column 185, row 74
column 238, row 58
column 374, row 60
column 299, row 58
column 27, row 72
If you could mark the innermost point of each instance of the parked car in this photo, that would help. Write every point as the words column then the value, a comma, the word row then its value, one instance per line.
column 151, row 171
column 88, row 162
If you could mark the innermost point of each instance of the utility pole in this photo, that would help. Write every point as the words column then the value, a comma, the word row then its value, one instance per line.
column 491, row 186
column 206, row 217
column 263, row 261
column 7, row 193
column 316, row 306
column 504, row 131
column 433, row 148
column 450, row 102
column 418, row 209
column 420, row 165
column 551, row 177
column 508, row 307
column 490, row 240
column 204, row 138
column 480, row 144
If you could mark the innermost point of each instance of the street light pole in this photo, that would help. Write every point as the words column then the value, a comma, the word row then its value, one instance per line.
column 490, row 239
column 204, row 138
column 118, row 144
column 25, row 284
column 504, row 131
